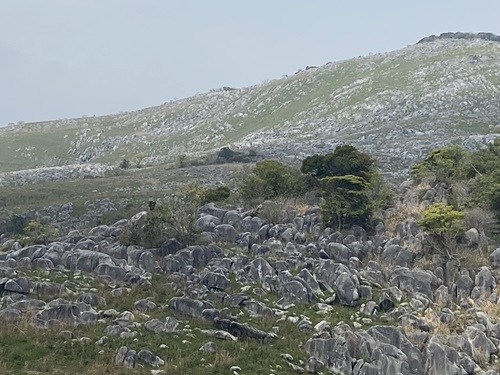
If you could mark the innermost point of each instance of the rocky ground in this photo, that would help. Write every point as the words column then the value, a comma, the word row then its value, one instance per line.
column 251, row 298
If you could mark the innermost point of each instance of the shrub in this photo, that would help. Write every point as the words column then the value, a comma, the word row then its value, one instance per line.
column 283, row 180
column 440, row 218
column 124, row 164
column 445, row 226
column 217, row 194
column 172, row 217
column 254, row 189
column 442, row 162
column 39, row 232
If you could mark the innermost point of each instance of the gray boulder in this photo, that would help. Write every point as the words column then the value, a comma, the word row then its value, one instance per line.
column 482, row 347
column 150, row 358
column 188, row 307
column 243, row 330
column 233, row 218
column 257, row 308
column 397, row 339
column 92, row 299
column 473, row 238
column 251, row 224
column 211, row 209
column 87, row 261
column 347, row 287
column 215, row 281
column 207, row 223
column 259, row 269
column 209, row 347
column 463, row 286
column 145, row 306
column 396, row 255
column 147, row 261
column 28, row 305
column 495, row 258
column 338, row 252
column 64, row 313
column 414, row 281
column 293, row 292
column 485, row 282
column 126, row 357
column 226, row 233
column 333, row 353
column 20, row 285
column 114, row 272
column 171, row 246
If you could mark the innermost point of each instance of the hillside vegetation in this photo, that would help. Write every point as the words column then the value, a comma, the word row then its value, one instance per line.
column 349, row 286
column 251, row 231
column 395, row 105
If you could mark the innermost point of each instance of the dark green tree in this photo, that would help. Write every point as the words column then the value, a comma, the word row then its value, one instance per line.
column 346, row 201
column 226, row 153
column 351, row 186
column 344, row 160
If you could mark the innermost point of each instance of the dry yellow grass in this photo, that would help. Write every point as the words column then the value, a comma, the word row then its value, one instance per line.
column 401, row 213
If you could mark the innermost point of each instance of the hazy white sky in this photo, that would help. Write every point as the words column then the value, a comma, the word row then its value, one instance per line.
column 67, row 58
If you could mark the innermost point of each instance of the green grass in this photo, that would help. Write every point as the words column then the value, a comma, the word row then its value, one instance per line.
column 136, row 185
column 24, row 150
column 26, row 350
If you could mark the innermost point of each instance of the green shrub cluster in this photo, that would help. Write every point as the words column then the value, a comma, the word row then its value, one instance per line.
column 346, row 178
column 272, row 179
column 226, row 155
column 472, row 177
column 172, row 217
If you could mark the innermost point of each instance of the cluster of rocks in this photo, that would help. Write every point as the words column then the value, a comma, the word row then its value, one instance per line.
column 66, row 172
column 484, row 36
column 403, row 320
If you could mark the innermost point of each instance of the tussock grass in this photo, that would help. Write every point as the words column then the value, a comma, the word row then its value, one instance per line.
column 401, row 213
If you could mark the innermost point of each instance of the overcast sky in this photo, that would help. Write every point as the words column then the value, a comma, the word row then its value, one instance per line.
column 68, row 58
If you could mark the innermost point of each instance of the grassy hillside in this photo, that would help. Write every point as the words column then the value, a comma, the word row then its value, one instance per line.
column 393, row 104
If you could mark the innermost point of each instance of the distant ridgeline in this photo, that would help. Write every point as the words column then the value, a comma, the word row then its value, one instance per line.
column 483, row 36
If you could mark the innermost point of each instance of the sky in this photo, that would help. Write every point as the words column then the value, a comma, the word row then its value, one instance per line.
column 68, row 58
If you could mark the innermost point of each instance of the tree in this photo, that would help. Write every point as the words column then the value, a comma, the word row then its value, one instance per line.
column 349, row 183
column 346, row 201
column 442, row 162
column 314, row 166
column 171, row 217
column 344, row 160
column 443, row 223
column 283, row 180
column 440, row 218
column 253, row 189
column 347, row 160
column 226, row 153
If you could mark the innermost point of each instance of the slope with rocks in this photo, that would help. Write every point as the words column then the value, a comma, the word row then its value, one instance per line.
column 250, row 297
column 394, row 105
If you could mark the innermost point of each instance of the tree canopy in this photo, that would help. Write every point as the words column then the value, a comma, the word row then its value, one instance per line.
column 344, row 160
